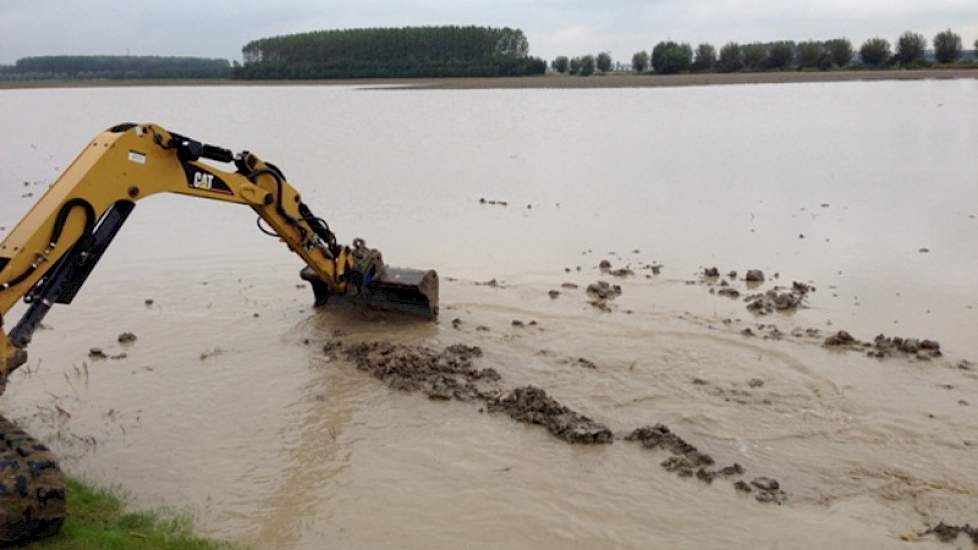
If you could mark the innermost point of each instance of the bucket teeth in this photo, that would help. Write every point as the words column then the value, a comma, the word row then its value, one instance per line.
column 412, row 291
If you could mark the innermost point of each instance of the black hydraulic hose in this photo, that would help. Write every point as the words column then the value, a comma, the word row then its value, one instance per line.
column 59, row 226
column 278, row 198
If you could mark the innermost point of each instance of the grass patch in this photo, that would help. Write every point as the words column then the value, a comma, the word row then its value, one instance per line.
column 97, row 520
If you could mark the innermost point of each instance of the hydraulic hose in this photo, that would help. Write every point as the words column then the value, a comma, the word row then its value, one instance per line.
column 59, row 226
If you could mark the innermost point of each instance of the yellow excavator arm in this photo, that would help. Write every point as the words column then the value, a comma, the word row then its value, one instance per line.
column 50, row 253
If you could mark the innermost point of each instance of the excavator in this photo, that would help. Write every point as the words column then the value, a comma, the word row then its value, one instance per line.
column 49, row 255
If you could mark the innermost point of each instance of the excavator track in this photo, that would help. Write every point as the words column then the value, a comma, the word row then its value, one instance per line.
column 32, row 488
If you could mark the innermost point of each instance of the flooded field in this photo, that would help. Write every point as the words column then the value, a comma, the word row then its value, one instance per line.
column 228, row 406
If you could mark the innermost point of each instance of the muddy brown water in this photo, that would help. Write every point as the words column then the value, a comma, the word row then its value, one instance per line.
column 269, row 441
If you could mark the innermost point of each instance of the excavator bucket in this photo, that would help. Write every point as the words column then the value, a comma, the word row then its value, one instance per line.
column 411, row 291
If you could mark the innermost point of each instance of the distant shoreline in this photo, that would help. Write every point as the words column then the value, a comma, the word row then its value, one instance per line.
column 612, row 80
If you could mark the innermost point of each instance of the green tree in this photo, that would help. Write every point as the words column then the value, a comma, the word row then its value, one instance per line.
column 706, row 58
column 947, row 46
column 780, row 55
column 640, row 61
column 753, row 55
column 391, row 52
column 575, row 65
column 875, row 52
column 82, row 67
column 910, row 48
column 809, row 54
column 587, row 65
column 671, row 57
column 604, row 62
column 840, row 49
column 560, row 64
column 730, row 60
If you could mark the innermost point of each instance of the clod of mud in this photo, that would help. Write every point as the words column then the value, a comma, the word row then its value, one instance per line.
column 621, row 272
column 554, row 294
column 841, row 338
column 456, row 323
column 768, row 490
column 604, row 265
column 732, row 274
column 779, row 299
column 149, row 301
column 604, row 290
column 569, row 285
column 754, row 276
column 729, row 292
column 492, row 202
column 949, row 533
column 601, row 293
column 97, row 353
column 884, row 346
column 127, row 338
column 686, row 460
column 532, row 405
column 518, row 324
column 448, row 374
column 711, row 272
column 586, row 363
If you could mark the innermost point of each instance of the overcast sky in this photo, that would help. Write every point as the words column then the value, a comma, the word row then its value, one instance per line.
column 218, row 28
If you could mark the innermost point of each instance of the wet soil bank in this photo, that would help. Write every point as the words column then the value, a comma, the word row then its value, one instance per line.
column 451, row 374
column 614, row 80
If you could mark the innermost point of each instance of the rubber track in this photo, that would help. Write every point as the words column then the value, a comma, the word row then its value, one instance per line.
column 32, row 488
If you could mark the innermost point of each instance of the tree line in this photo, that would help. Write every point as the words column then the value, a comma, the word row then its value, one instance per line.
column 669, row 57
column 116, row 67
column 391, row 52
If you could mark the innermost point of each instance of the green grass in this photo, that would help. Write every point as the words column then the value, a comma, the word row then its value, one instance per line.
column 97, row 520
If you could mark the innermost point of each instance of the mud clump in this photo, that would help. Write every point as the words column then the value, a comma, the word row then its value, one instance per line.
column 688, row 461
column 711, row 273
column 884, row 346
column 949, row 533
column 754, row 276
column 779, row 299
column 97, row 353
column 554, row 294
column 127, row 338
column 532, row 405
column 493, row 202
column 448, row 374
column 601, row 293
column 729, row 292
column 768, row 490
column 841, row 338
